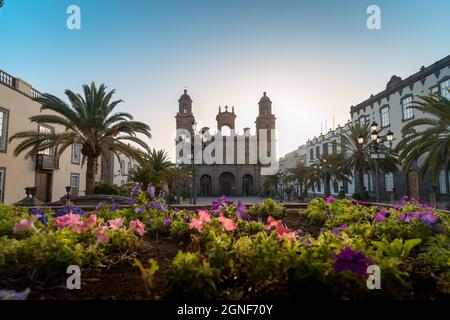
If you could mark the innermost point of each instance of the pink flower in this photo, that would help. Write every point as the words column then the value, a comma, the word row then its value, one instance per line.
column 25, row 224
column 68, row 220
column 90, row 222
column 101, row 233
column 197, row 223
column 115, row 224
column 137, row 226
column 281, row 229
column 227, row 223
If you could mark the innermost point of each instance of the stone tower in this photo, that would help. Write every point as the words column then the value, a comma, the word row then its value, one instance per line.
column 226, row 118
column 265, row 120
column 185, row 118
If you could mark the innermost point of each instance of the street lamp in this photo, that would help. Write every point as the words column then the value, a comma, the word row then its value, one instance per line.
column 194, row 187
column 378, row 149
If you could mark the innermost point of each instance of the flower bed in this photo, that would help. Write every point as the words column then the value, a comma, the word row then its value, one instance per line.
column 228, row 251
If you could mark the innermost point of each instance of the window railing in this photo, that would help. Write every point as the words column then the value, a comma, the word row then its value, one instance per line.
column 34, row 93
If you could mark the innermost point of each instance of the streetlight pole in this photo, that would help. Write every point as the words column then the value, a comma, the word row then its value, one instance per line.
column 378, row 150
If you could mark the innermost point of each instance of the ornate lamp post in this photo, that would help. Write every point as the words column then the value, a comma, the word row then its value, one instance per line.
column 378, row 149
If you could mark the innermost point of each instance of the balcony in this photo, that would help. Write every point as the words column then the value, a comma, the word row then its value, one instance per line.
column 45, row 162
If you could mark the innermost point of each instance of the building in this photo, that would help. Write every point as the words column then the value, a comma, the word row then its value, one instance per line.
column 391, row 109
column 49, row 175
column 115, row 169
column 328, row 143
column 235, row 171
column 289, row 161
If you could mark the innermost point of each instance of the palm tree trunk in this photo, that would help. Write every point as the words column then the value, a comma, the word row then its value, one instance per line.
column 360, row 182
column 90, row 175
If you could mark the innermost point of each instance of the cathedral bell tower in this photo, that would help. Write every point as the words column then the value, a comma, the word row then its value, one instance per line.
column 185, row 117
column 265, row 120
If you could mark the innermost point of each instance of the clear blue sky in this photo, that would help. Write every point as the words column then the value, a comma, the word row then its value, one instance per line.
column 313, row 58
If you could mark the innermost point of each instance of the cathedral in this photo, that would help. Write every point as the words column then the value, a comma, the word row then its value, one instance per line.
column 239, row 169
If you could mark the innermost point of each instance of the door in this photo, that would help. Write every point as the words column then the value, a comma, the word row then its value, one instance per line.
column 413, row 184
column 226, row 188
column 43, row 186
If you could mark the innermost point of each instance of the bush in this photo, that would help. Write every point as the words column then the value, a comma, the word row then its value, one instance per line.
column 268, row 207
column 111, row 189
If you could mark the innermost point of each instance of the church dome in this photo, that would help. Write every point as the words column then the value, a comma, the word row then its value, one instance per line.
column 185, row 96
column 264, row 98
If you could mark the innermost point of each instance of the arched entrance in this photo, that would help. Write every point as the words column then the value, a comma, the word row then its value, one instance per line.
column 205, row 185
column 247, row 185
column 227, row 185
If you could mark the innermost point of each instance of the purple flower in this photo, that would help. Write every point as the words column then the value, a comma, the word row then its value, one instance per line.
column 138, row 209
column 69, row 208
column 337, row 230
column 151, row 191
column 187, row 219
column 429, row 218
column 351, row 260
column 13, row 295
column 330, row 199
column 381, row 215
column 240, row 211
column 408, row 217
column 99, row 205
column 132, row 201
column 156, row 205
column 354, row 202
column 218, row 203
column 167, row 221
column 135, row 190
column 176, row 209
column 114, row 206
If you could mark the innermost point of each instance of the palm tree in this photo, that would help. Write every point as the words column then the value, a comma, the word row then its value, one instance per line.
column 329, row 167
column 88, row 120
column 357, row 155
column 156, row 170
column 432, row 137
column 301, row 174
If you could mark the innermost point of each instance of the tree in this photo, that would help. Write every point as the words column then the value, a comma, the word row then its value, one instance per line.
column 357, row 155
column 328, row 167
column 88, row 120
column 300, row 174
column 431, row 138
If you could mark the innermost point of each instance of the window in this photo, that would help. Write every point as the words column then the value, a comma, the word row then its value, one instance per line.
column 74, row 184
column 325, row 148
column 2, row 184
column 45, row 130
column 384, row 116
column 367, row 182
column 129, row 166
column 334, row 146
column 345, row 185
column 122, row 167
column 408, row 112
column 434, row 90
column 389, row 182
column 3, row 129
column 122, row 182
column 442, row 182
column 445, row 87
column 317, row 151
column 335, row 186
column 311, row 154
column 76, row 153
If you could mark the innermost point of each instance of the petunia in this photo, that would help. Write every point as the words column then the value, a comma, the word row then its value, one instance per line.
column 227, row 223
column 167, row 221
column 429, row 218
column 337, row 230
column 330, row 199
column 25, row 224
column 115, row 224
column 135, row 190
column 68, row 220
column 101, row 233
column 137, row 226
column 351, row 260
column 151, row 191
column 197, row 223
column 13, row 295
column 216, row 205
column 90, row 222
column 280, row 228
column 381, row 216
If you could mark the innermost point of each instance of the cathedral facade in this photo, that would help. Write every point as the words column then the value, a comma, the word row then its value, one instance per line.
column 236, row 170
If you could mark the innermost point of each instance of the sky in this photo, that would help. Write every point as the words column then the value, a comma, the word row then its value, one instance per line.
column 314, row 58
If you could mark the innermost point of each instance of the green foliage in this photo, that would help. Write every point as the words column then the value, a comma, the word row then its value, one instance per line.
column 111, row 189
column 397, row 248
column 147, row 274
column 268, row 207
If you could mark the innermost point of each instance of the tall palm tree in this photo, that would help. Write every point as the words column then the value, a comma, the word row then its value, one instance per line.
column 301, row 174
column 432, row 137
column 88, row 120
column 329, row 167
column 357, row 155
